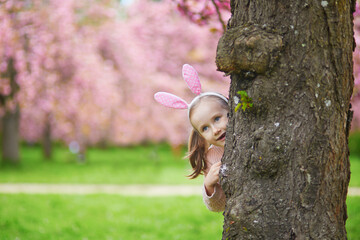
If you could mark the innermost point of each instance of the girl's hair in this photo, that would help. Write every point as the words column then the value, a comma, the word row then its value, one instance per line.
column 197, row 153
column 197, row 146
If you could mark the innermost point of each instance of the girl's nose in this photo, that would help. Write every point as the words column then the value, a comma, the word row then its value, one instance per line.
column 216, row 131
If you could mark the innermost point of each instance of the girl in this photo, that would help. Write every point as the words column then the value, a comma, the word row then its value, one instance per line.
column 208, row 114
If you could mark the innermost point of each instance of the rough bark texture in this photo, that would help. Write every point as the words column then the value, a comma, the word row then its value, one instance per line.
column 286, row 164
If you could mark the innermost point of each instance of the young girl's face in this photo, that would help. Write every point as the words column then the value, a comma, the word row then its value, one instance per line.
column 209, row 118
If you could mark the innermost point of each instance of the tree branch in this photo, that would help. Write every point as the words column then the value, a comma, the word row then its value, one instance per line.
column 219, row 15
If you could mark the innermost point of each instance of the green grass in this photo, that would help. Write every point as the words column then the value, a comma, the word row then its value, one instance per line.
column 152, row 164
column 354, row 143
column 355, row 172
column 51, row 217
column 111, row 216
column 106, row 217
column 353, row 222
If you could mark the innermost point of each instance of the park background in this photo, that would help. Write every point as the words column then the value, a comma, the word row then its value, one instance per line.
column 79, row 77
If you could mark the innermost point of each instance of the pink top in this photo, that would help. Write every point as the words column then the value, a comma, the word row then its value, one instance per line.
column 215, row 202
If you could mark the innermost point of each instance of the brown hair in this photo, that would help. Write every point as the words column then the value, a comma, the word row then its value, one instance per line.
column 197, row 153
column 197, row 146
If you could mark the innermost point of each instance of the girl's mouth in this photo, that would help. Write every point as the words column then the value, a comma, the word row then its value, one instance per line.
column 222, row 137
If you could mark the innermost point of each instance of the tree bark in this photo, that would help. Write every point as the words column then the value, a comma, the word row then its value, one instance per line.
column 10, row 141
column 11, row 118
column 285, row 170
column 47, row 143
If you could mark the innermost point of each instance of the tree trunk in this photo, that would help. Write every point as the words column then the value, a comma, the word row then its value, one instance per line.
column 47, row 144
column 11, row 118
column 286, row 169
column 10, row 141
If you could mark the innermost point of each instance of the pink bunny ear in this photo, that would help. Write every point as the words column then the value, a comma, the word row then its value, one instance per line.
column 191, row 78
column 170, row 100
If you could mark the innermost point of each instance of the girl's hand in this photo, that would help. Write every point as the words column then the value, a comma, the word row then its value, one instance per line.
column 212, row 178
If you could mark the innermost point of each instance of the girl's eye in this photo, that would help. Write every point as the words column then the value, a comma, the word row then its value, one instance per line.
column 217, row 119
column 204, row 129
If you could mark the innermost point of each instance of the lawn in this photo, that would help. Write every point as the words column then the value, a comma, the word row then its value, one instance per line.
column 73, row 217
column 353, row 222
column 51, row 217
column 111, row 216
column 355, row 171
column 151, row 164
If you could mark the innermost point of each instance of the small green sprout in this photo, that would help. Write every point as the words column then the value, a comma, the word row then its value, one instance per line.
column 245, row 101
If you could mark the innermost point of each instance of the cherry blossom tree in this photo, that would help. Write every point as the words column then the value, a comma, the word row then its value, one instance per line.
column 56, row 61
column 13, row 69
column 86, row 72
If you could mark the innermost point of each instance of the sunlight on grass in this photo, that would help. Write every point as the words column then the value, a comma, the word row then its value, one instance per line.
column 37, row 217
column 112, row 216
column 353, row 222
column 355, row 172
column 106, row 217
column 152, row 164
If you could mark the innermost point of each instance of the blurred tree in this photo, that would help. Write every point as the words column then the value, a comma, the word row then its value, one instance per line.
column 86, row 71
column 47, row 42
column 286, row 164
column 11, row 117
column 11, row 42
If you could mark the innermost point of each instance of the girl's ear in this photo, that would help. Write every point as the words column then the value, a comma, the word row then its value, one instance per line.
column 191, row 78
column 170, row 100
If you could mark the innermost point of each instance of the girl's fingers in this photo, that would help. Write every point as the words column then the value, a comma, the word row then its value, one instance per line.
column 217, row 164
column 213, row 176
column 215, row 171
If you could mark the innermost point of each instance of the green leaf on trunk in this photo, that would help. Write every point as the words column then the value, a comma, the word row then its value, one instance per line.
column 245, row 101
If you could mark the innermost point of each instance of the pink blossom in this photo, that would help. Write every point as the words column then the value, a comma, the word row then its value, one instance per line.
column 356, row 58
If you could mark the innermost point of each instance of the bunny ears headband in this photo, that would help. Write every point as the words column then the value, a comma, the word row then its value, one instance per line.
column 192, row 80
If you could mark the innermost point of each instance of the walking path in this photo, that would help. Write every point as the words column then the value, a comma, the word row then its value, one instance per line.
column 126, row 190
